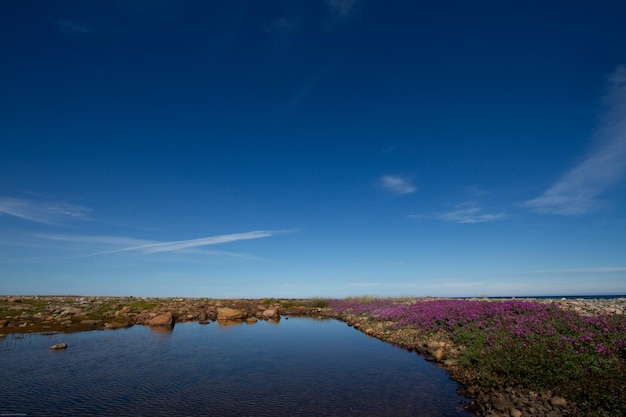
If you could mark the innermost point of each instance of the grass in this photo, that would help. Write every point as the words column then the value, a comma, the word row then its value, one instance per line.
column 540, row 347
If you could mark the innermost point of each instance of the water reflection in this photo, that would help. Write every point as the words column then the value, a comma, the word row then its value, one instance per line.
column 300, row 367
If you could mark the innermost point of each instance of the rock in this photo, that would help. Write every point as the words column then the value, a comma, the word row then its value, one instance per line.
column 91, row 322
column 502, row 403
column 227, row 313
column 271, row 313
column 558, row 402
column 15, row 299
column 451, row 362
column 369, row 331
column 516, row 413
column 72, row 310
column 59, row 346
column 164, row 320
column 211, row 314
column 143, row 318
column 125, row 310
column 202, row 316
column 116, row 325
column 438, row 354
column 433, row 345
column 3, row 323
column 251, row 320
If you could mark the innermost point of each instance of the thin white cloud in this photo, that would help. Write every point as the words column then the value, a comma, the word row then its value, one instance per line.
column 69, row 26
column 180, row 245
column 577, row 191
column 364, row 284
column 100, row 245
column 51, row 212
column 396, row 184
column 101, row 240
column 341, row 9
column 454, row 284
column 281, row 26
column 602, row 269
column 465, row 213
column 304, row 91
column 470, row 215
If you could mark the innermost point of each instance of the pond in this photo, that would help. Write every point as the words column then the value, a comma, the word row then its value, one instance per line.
column 297, row 367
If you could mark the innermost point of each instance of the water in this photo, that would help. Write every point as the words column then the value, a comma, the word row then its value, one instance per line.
column 299, row 367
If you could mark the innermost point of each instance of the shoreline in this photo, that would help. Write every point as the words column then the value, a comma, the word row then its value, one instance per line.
column 41, row 314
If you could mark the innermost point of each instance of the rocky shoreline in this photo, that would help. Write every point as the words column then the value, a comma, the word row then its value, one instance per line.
column 26, row 314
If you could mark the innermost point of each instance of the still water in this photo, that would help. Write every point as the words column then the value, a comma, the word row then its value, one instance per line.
column 298, row 367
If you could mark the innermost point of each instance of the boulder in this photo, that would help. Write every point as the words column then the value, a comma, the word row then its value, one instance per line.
column 226, row 313
column 163, row 320
column 271, row 313
column 14, row 299
column 59, row 346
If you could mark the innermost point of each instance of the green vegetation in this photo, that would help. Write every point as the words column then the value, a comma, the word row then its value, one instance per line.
column 319, row 302
column 535, row 346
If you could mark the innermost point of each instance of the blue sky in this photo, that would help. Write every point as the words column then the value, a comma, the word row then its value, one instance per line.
column 312, row 148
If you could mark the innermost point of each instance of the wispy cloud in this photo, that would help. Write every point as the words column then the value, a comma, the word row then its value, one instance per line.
column 454, row 284
column 396, row 184
column 180, row 245
column 69, row 26
column 93, row 245
column 341, row 9
column 470, row 215
column 304, row 91
column 577, row 191
column 48, row 212
column 98, row 240
column 280, row 26
column 602, row 269
column 468, row 212
column 364, row 284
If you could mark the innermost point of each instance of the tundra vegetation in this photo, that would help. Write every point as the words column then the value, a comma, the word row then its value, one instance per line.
column 533, row 346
